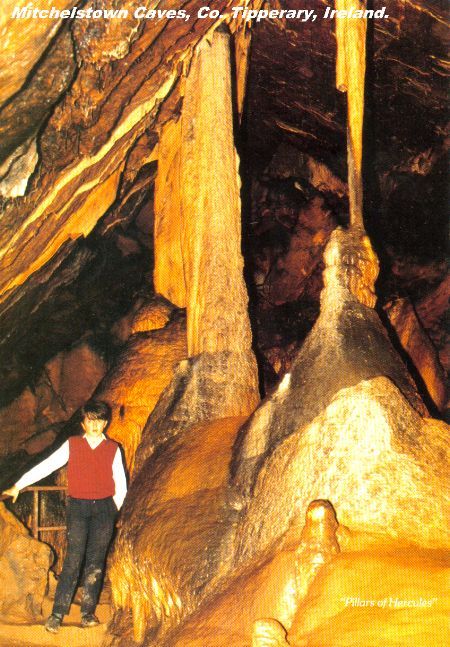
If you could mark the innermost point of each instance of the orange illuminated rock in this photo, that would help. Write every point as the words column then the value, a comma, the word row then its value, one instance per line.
column 142, row 371
column 85, row 143
column 151, row 316
column 368, row 441
column 217, row 300
column 348, row 394
column 318, row 543
column 421, row 351
column 384, row 596
column 24, row 566
column 350, row 78
column 376, row 598
column 268, row 633
column 168, row 547
column 26, row 41
column 168, row 274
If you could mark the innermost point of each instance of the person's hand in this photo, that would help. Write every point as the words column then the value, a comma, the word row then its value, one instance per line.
column 12, row 492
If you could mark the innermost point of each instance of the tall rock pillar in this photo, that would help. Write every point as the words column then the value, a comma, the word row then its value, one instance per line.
column 198, row 259
column 211, row 237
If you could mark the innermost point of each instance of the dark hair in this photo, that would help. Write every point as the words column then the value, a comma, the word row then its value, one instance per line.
column 96, row 410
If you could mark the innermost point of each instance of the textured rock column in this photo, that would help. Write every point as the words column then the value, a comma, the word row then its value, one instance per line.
column 211, row 238
column 350, row 78
column 168, row 274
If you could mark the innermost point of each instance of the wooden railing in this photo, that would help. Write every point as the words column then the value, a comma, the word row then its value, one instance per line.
column 36, row 528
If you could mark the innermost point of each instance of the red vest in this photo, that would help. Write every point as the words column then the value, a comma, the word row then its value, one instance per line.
column 89, row 472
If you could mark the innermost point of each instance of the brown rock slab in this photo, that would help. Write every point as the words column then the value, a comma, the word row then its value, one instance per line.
column 18, row 421
column 419, row 348
column 74, row 375
column 287, row 280
column 66, row 382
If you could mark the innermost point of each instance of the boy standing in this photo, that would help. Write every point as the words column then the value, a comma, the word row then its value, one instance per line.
column 96, row 490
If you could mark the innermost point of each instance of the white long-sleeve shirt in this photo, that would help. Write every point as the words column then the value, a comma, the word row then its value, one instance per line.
column 61, row 456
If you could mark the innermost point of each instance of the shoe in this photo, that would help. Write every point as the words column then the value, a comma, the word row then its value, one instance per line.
column 53, row 623
column 89, row 620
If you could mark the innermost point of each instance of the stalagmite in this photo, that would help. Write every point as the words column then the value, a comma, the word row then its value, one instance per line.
column 348, row 393
column 318, row 543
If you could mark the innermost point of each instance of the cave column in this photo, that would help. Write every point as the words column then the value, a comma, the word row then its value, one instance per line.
column 217, row 300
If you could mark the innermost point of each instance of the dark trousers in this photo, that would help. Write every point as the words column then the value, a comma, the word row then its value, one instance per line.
column 90, row 524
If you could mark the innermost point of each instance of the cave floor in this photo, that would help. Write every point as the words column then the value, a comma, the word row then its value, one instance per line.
column 70, row 634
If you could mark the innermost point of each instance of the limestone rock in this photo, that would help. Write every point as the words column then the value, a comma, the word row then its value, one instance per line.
column 16, row 170
column 216, row 294
column 318, row 544
column 286, row 281
column 369, row 442
column 419, row 348
column 143, row 369
column 206, row 387
column 268, row 633
column 151, row 316
column 23, row 47
column 40, row 441
column 168, row 548
column 18, row 421
column 67, row 381
column 168, row 274
column 74, row 375
column 24, row 565
column 348, row 394
column 432, row 310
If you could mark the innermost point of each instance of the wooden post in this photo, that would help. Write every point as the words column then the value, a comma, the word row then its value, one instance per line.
column 35, row 521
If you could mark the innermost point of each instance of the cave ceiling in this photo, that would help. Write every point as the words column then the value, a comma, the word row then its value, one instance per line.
column 81, row 108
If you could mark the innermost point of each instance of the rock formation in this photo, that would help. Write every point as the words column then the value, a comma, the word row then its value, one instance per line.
column 24, row 564
column 143, row 369
column 122, row 202
column 219, row 379
column 419, row 349
column 32, row 420
column 268, row 633
column 334, row 405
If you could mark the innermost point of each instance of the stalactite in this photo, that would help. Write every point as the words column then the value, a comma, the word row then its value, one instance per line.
column 168, row 275
column 350, row 78
column 211, row 239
